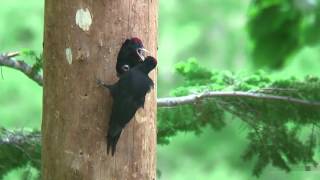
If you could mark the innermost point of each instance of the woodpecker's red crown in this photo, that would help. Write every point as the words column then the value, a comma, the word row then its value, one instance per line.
column 137, row 41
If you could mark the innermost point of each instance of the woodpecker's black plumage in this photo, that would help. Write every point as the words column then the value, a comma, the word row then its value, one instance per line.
column 128, row 96
column 130, row 55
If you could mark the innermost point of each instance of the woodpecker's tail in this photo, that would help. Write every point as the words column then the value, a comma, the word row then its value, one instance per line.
column 112, row 143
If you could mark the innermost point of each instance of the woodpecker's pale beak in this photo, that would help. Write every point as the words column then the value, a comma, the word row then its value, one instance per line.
column 142, row 53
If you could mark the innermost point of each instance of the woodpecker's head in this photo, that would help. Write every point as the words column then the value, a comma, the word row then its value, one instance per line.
column 138, row 47
column 131, row 53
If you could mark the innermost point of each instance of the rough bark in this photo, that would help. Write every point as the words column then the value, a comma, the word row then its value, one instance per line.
column 76, row 111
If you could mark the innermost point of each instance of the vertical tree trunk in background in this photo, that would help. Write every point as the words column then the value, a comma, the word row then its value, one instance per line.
column 81, row 42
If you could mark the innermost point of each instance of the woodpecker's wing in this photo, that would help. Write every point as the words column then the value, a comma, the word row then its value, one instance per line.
column 128, row 96
column 123, row 109
column 137, row 83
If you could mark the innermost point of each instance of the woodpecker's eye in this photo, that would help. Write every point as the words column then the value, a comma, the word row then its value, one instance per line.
column 140, row 52
column 125, row 67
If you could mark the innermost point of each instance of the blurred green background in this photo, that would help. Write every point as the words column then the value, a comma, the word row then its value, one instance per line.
column 222, row 35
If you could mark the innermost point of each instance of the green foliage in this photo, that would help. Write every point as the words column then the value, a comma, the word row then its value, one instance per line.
column 279, row 28
column 37, row 59
column 188, row 118
column 19, row 149
column 275, row 127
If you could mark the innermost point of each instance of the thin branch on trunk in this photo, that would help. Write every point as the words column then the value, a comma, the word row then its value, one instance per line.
column 9, row 60
column 190, row 99
column 25, row 141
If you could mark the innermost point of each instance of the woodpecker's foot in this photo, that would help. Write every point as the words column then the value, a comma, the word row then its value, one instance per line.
column 99, row 82
column 102, row 84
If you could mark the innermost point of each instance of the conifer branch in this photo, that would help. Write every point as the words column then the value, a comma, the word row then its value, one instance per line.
column 8, row 60
column 19, row 149
column 194, row 98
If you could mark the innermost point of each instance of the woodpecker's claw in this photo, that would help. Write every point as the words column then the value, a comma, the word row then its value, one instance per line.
column 99, row 82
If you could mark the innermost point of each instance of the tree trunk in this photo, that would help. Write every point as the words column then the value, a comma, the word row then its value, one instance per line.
column 81, row 42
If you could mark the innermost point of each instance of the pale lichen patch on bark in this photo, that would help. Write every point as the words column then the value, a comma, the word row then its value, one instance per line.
column 83, row 19
column 77, row 159
column 69, row 55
